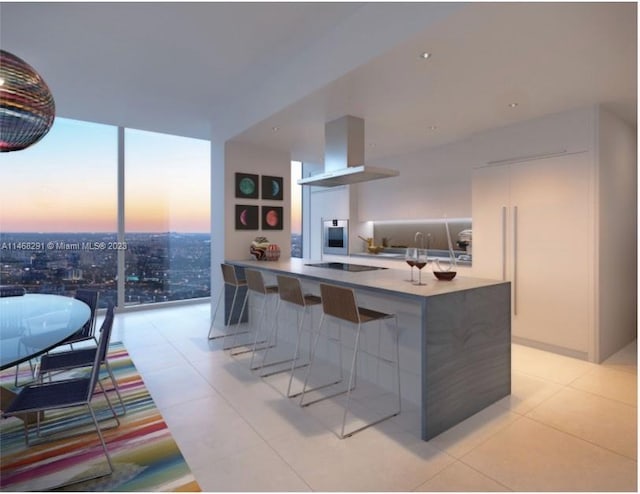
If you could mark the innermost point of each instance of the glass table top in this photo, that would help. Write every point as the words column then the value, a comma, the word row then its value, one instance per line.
column 32, row 324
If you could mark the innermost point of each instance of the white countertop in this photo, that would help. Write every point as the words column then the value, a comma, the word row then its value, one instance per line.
column 393, row 281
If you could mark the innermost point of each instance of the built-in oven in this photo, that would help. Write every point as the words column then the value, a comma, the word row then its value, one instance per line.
column 335, row 237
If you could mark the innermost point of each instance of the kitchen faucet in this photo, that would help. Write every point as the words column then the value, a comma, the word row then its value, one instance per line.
column 415, row 239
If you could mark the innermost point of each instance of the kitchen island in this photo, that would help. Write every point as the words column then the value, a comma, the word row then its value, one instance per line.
column 461, row 333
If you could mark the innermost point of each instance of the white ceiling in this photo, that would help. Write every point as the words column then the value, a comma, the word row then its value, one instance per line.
column 236, row 70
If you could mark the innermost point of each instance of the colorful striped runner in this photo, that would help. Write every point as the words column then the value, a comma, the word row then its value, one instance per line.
column 145, row 456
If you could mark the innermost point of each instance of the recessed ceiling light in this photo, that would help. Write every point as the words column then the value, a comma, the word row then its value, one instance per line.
column 513, row 105
column 425, row 54
column 275, row 129
column 433, row 127
column 372, row 144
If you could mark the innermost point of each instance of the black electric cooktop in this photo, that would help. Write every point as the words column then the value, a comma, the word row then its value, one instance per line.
column 342, row 266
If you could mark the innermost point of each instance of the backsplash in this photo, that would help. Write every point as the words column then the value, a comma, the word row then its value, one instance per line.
column 391, row 234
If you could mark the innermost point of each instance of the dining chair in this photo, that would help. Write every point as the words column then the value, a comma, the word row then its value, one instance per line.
column 85, row 333
column 230, row 279
column 88, row 331
column 68, row 393
column 340, row 303
column 77, row 359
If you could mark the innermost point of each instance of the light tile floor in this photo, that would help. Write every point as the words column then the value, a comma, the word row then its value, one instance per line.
column 568, row 425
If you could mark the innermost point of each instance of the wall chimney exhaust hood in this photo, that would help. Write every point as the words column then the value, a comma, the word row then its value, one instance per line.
column 344, row 156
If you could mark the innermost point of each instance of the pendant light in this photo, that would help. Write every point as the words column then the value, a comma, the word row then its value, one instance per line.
column 27, row 109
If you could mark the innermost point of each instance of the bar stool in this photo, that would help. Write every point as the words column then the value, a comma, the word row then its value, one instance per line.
column 228, row 278
column 290, row 291
column 340, row 303
column 257, row 287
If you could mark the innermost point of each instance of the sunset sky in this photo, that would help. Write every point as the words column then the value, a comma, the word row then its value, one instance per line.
column 67, row 182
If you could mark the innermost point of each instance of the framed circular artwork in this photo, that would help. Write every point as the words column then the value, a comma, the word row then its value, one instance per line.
column 247, row 186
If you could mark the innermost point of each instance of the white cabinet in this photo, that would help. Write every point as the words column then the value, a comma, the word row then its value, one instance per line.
column 533, row 224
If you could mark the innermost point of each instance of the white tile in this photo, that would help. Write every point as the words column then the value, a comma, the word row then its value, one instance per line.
column 613, row 384
column 605, row 422
column 371, row 460
column 275, row 415
column 213, row 430
column 462, row 438
column 529, row 456
column 459, row 477
column 547, row 365
column 625, row 359
column 156, row 357
column 527, row 392
column 175, row 385
column 256, row 469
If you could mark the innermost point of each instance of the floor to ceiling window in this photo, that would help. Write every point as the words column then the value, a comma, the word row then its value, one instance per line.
column 59, row 209
column 296, row 209
column 166, row 217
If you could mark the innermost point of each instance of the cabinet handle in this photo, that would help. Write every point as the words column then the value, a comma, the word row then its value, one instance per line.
column 504, row 243
column 515, row 261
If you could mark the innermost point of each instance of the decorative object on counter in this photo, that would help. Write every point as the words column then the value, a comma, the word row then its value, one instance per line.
column 27, row 108
column 272, row 188
column 246, row 217
column 452, row 256
column 272, row 253
column 444, row 273
column 465, row 238
column 263, row 250
column 410, row 257
column 247, row 185
column 371, row 247
column 272, row 218
column 259, row 247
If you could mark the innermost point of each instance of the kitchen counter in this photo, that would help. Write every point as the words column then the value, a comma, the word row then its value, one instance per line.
column 461, row 329
column 384, row 281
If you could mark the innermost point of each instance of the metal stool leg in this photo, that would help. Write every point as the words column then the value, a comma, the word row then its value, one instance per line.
column 228, row 322
column 308, row 373
column 353, row 370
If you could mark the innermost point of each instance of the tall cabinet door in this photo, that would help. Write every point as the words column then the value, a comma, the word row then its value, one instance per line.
column 490, row 205
column 533, row 225
column 551, row 250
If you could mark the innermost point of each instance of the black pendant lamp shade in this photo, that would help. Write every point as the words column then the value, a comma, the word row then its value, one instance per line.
column 27, row 109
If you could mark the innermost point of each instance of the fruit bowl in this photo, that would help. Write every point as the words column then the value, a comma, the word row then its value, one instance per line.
column 374, row 249
column 445, row 275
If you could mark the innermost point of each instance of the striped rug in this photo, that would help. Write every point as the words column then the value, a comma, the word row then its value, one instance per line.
column 145, row 456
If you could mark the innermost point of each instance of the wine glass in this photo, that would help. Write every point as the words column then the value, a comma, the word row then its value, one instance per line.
column 410, row 256
column 421, row 261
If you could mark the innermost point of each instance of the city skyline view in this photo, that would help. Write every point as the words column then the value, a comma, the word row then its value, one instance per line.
column 68, row 182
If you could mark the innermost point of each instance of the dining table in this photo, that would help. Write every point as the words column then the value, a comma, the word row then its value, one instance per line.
column 32, row 324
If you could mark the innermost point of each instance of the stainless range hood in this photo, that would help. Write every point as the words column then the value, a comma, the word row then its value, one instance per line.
column 344, row 156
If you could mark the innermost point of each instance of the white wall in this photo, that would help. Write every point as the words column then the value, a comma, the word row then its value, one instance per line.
column 243, row 158
column 617, row 225
column 436, row 182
